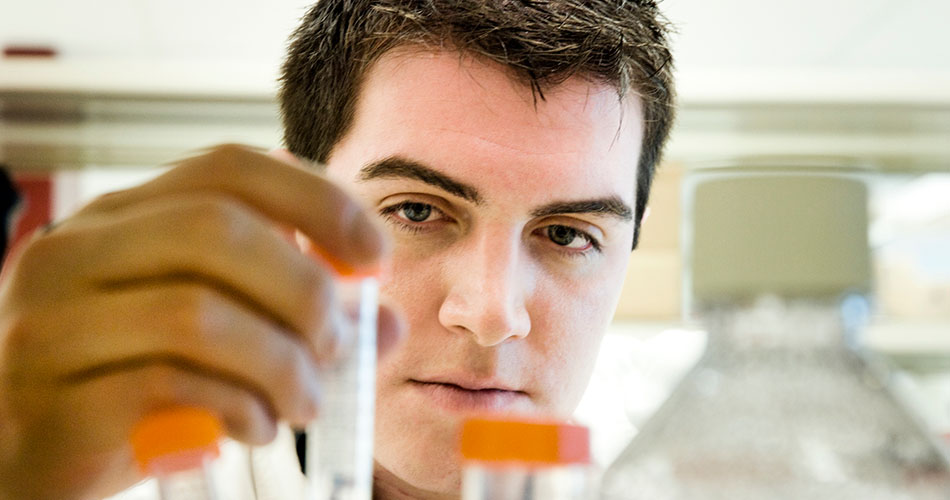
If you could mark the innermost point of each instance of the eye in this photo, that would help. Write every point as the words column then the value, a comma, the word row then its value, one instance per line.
column 414, row 215
column 415, row 212
column 569, row 237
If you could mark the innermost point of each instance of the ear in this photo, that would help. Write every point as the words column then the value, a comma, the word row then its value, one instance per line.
column 284, row 155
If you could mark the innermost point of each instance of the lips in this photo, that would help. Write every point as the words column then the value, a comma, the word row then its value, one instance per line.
column 468, row 383
column 460, row 393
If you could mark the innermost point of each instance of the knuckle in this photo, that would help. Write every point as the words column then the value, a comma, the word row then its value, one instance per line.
column 165, row 384
column 193, row 307
column 102, row 203
column 242, row 404
column 18, row 332
column 248, row 418
column 214, row 211
column 228, row 151
column 219, row 219
column 248, row 411
column 43, row 249
column 224, row 159
column 292, row 373
column 320, row 300
column 317, row 289
column 211, row 165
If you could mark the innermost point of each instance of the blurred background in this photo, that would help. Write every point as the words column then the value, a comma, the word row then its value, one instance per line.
column 96, row 95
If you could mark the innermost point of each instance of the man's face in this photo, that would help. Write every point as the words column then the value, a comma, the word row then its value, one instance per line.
column 512, row 225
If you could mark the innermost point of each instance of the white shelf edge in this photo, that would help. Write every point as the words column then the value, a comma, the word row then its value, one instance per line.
column 222, row 79
column 258, row 78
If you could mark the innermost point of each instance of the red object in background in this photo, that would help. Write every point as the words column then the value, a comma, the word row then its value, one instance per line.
column 42, row 51
column 36, row 205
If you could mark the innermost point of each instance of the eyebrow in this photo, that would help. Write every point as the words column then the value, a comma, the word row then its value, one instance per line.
column 395, row 167
column 611, row 206
column 398, row 167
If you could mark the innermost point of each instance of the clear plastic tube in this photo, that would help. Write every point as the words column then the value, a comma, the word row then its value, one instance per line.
column 190, row 484
column 521, row 482
column 177, row 447
column 340, row 441
column 508, row 458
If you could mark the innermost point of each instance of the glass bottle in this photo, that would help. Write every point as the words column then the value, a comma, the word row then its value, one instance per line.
column 784, row 403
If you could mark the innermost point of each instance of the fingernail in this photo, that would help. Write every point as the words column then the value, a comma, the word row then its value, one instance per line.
column 314, row 398
column 368, row 237
column 339, row 342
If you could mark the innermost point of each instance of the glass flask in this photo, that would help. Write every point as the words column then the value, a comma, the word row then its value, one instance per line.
column 784, row 403
column 516, row 459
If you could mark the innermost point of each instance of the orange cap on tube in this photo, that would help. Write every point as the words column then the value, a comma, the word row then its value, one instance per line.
column 342, row 269
column 528, row 441
column 176, row 439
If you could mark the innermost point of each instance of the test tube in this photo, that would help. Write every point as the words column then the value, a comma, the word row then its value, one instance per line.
column 340, row 441
column 177, row 447
column 512, row 458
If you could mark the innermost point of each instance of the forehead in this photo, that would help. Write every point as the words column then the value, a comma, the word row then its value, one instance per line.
column 472, row 116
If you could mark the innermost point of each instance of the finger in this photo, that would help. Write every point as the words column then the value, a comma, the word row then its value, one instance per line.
column 283, row 192
column 126, row 397
column 391, row 329
column 284, row 155
column 205, row 238
column 84, row 428
column 191, row 327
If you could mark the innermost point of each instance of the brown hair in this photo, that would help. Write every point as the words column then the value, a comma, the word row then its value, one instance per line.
column 620, row 42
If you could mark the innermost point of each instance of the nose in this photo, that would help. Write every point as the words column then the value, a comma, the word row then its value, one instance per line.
column 488, row 282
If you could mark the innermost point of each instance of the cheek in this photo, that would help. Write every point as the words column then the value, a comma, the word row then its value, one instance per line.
column 569, row 323
column 411, row 282
column 412, row 287
column 583, row 304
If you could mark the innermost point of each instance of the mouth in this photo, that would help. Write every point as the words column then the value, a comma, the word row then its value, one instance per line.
column 468, row 397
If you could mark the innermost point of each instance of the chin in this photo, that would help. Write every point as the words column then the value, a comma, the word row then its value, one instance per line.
column 448, row 485
column 402, row 481
column 419, row 458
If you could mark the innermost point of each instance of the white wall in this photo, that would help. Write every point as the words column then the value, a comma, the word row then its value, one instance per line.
column 838, row 34
column 159, row 29
column 860, row 34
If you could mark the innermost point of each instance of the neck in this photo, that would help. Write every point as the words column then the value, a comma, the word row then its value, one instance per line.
column 388, row 486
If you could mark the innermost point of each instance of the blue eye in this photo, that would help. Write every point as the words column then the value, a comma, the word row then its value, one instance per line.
column 415, row 212
column 414, row 216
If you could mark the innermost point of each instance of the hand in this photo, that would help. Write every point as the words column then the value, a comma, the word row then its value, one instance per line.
column 177, row 292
